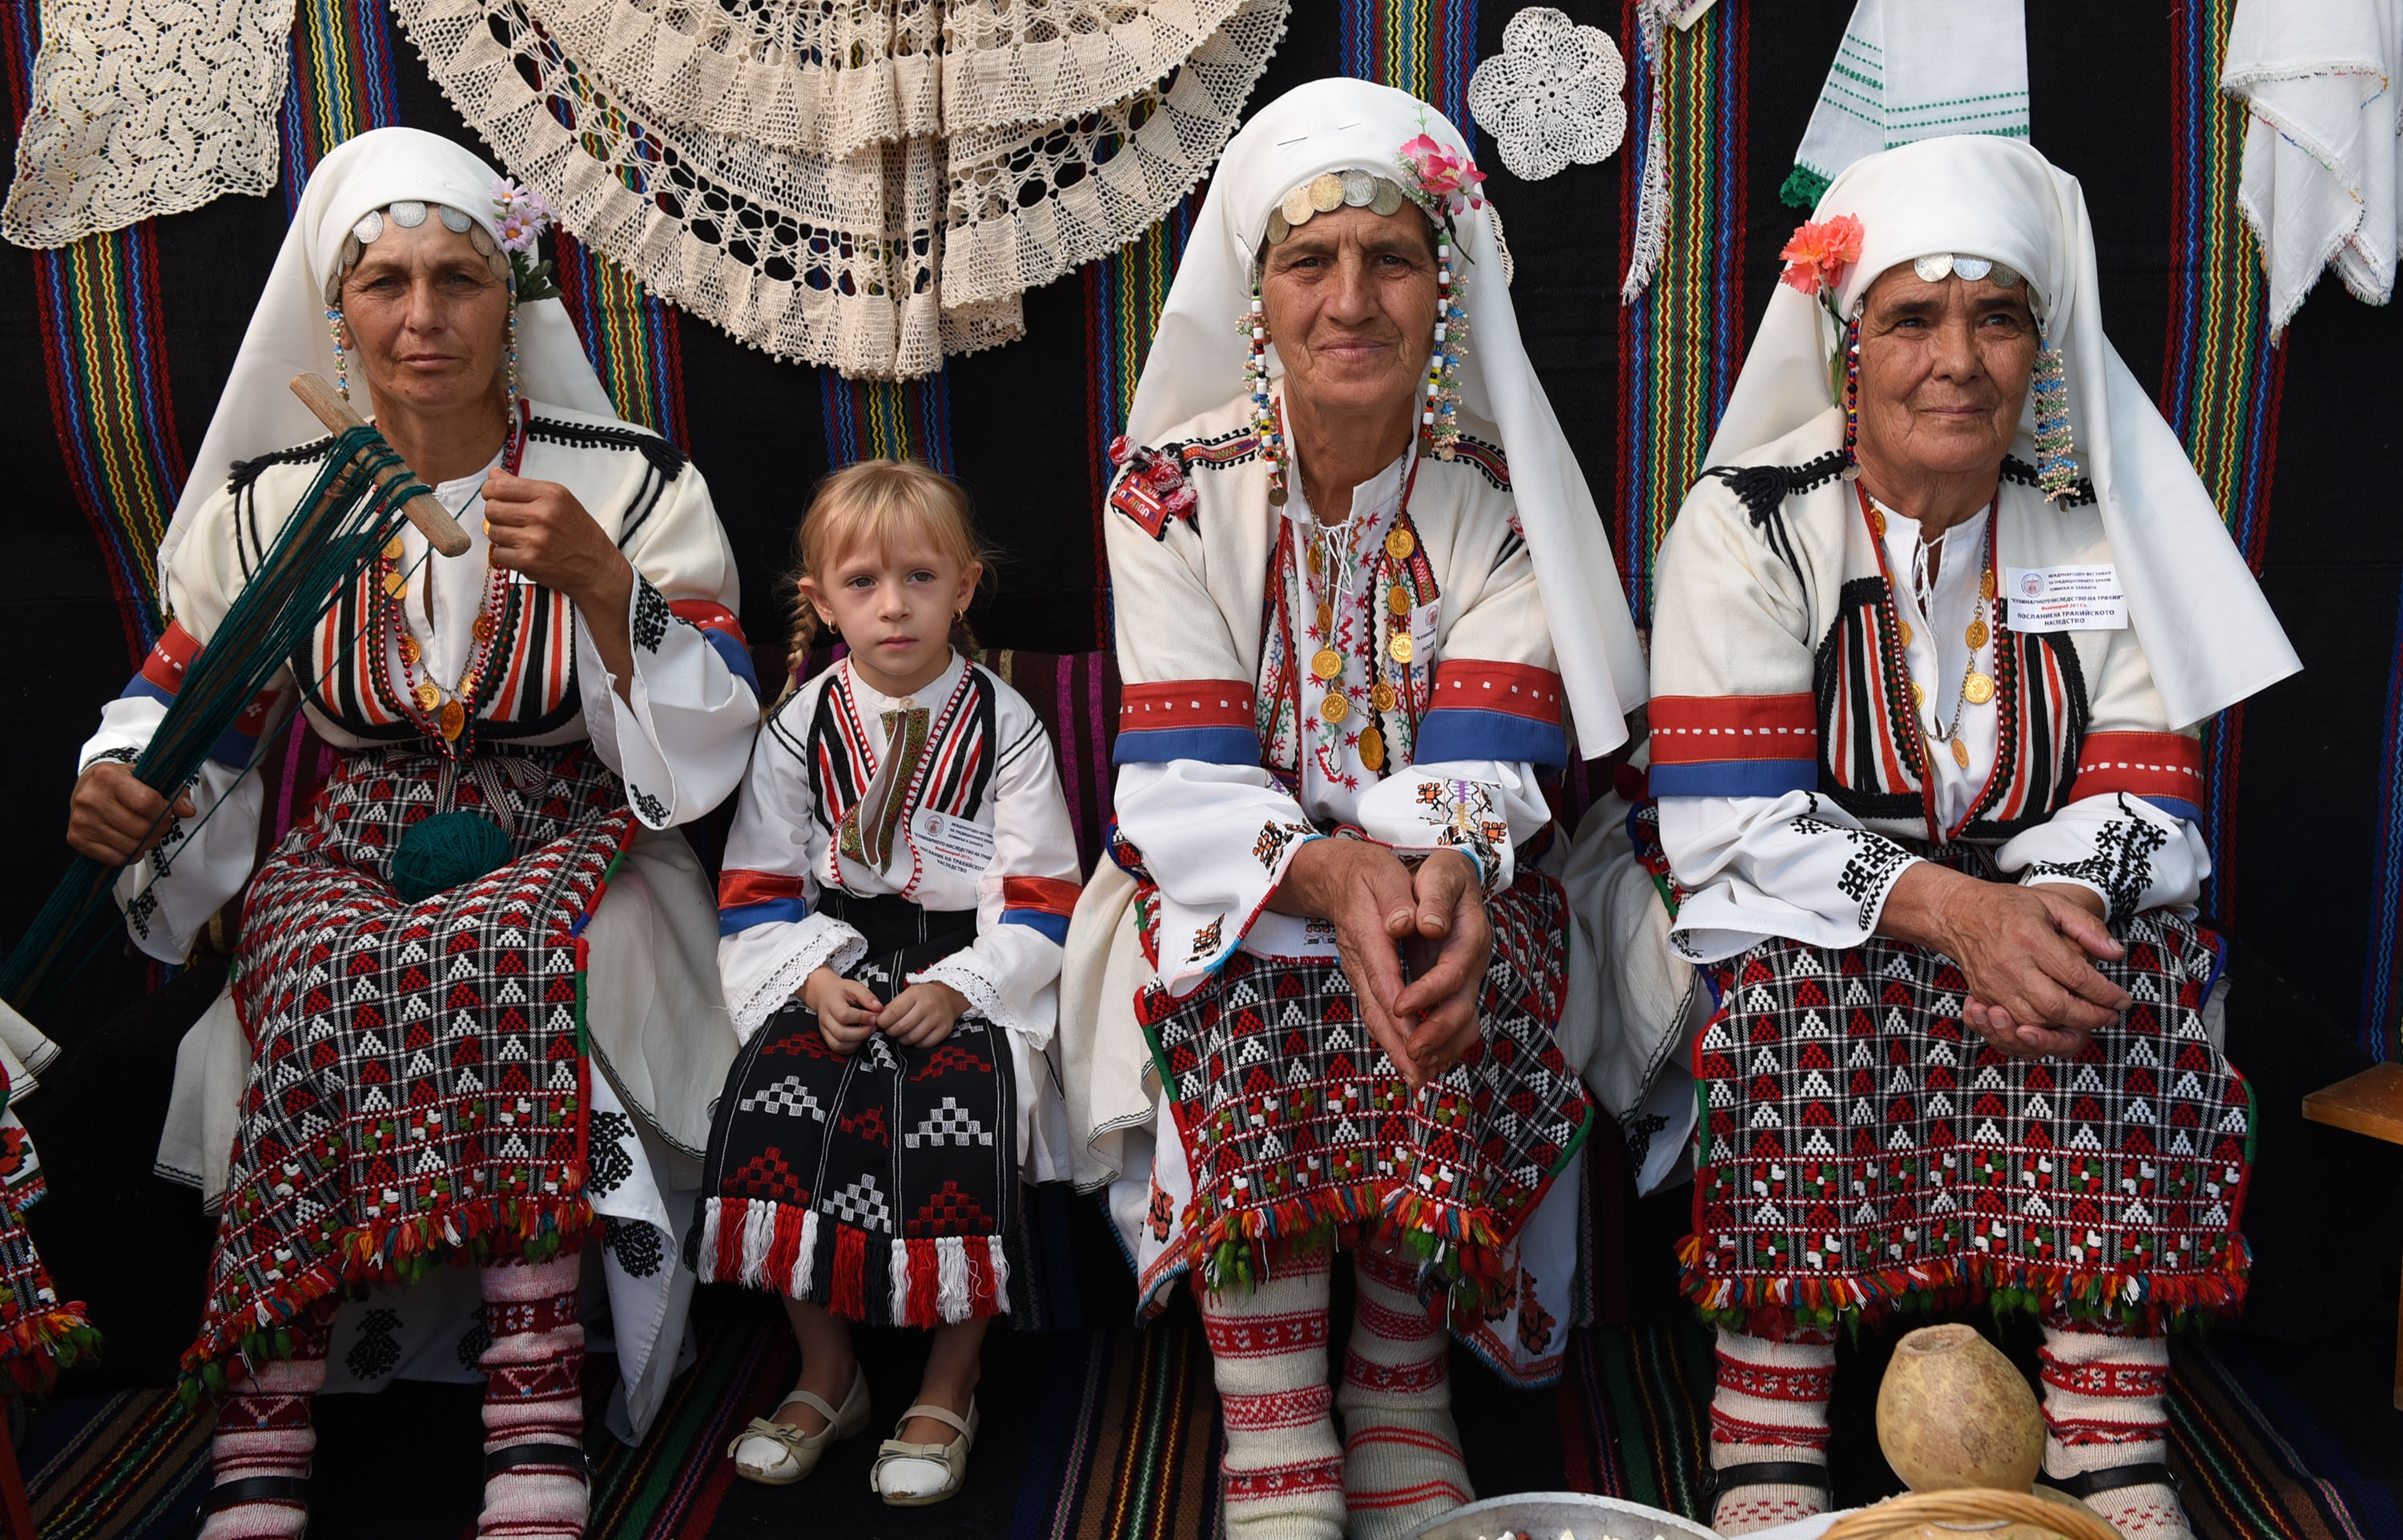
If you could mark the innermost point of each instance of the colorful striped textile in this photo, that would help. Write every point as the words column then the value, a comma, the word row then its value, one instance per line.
column 630, row 337
column 341, row 84
column 126, row 1466
column 1427, row 47
column 2220, row 377
column 1682, row 340
column 882, row 419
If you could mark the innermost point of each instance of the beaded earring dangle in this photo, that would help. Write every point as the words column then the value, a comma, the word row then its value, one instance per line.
column 1264, row 417
column 1440, row 420
column 512, row 418
column 2056, row 466
column 342, row 358
column 1852, row 392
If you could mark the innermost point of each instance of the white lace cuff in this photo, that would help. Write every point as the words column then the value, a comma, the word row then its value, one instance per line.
column 972, row 974
column 822, row 943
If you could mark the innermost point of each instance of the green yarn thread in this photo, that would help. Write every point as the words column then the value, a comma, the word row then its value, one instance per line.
column 439, row 852
column 1803, row 189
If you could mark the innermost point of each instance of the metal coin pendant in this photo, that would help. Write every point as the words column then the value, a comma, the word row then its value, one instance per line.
column 1397, row 599
column 1977, row 634
column 1372, row 748
column 1325, row 619
column 1978, row 688
column 396, row 585
column 1388, row 198
column 1296, row 207
column 1399, row 544
column 410, row 651
column 1919, row 695
column 1905, row 630
column 1326, row 663
column 1960, row 754
column 1382, row 696
column 454, row 720
column 1317, row 561
column 1279, row 227
column 1986, row 584
column 1276, row 495
column 1325, row 192
column 428, row 697
column 1334, row 708
column 1400, row 647
column 392, row 549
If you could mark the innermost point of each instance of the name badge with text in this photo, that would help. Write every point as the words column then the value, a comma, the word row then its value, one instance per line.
column 2073, row 598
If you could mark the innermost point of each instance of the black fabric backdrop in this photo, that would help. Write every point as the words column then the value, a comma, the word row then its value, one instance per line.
column 2101, row 86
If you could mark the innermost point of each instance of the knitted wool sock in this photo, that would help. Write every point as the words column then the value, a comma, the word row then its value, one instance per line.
column 1772, row 1405
column 2104, row 1405
column 1283, row 1473
column 534, row 1393
column 1402, row 1465
column 263, row 1429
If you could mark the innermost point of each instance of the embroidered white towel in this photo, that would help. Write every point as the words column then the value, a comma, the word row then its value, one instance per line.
column 2321, row 168
column 1909, row 70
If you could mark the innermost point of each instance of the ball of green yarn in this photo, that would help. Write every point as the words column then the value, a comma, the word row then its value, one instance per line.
column 439, row 852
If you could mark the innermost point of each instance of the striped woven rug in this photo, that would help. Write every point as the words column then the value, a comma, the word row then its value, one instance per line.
column 1111, row 1434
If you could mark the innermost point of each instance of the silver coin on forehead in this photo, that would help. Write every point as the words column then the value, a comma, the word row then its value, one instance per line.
column 1934, row 268
column 1973, row 267
column 1389, row 196
column 1358, row 189
column 408, row 213
column 453, row 220
column 370, row 225
column 2005, row 278
column 1280, row 227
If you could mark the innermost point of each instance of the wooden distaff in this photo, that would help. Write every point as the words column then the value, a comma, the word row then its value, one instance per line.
column 441, row 530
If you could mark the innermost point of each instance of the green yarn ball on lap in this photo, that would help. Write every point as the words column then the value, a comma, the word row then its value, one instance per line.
column 439, row 852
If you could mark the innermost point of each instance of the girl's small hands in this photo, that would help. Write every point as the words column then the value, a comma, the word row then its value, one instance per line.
column 923, row 1015
column 846, row 1009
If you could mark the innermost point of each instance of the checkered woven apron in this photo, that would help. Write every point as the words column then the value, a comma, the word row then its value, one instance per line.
column 881, row 1184
column 1298, row 1130
column 1860, row 1148
column 417, row 1081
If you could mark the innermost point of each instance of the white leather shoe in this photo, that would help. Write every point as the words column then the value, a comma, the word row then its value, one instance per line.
column 911, row 1475
column 777, row 1455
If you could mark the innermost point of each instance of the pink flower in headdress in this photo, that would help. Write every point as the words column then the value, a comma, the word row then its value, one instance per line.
column 1443, row 173
column 522, row 215
column 1816, row 256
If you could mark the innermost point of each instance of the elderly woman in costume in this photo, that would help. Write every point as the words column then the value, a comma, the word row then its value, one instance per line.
column 1344, row 515
column 440, row 1043
column 1927, row 663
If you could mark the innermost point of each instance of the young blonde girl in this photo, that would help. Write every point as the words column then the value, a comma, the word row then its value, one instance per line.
column 897, row 889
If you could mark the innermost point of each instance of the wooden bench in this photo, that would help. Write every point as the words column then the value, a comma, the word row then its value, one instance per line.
column 2370, row 1102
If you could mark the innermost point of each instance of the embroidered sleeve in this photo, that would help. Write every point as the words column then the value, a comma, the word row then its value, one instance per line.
column 680, row 741
column 769, row 939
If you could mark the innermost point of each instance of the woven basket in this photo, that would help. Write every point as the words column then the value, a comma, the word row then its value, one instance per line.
column 1902, row 1516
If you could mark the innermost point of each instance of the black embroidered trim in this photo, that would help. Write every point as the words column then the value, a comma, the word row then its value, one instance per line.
column 376, row 1353
column 2123, row 863
column 1764, row 489
column 122, row 756
column 654, row 811
column 651, row 616
column 635, row 1244
column 1183, row 449
column 474, row 1341
column 2018, row 470
column 244, row 472
column 1868, row 872
column 1501, row 483
column 606, row 1137
column 665, row 458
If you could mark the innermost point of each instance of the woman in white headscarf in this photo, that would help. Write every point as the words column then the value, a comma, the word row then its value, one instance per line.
column 439, row 1043
column 1934, row 634
column 1362, row 595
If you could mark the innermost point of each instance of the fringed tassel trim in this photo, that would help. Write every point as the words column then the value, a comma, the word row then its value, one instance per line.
column 2143, row 1302
column 797, row 1252
column 1459, row 1247
column 386, row 1252
column 38, row 1344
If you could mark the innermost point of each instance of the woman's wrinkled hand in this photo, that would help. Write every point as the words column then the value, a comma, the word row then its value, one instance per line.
column 1448, row 941
column 846, row 1008
column 539, row 529
column 114, row 818
column 2033, row 991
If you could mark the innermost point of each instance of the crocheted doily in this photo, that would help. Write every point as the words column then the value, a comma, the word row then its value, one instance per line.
column 143, row 107
column 803, row 75
column 1552, row 96
column 879, row 261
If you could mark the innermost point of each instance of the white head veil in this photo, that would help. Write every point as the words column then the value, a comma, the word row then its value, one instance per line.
column 1197, row 364
column 2207, row 631
column 258, row 414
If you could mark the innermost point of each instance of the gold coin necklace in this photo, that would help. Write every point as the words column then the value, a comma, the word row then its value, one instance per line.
column 446, row 713
column 1977, row 686
column 1340, row 565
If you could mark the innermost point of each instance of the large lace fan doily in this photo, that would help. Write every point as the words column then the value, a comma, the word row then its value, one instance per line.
column 880, row 260
column 144, row 107
column 803, row 75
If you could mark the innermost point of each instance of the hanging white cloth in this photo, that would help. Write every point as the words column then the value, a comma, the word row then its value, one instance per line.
column 2207, row 631
column 2321, row 169
column 1197, row 364
column 1908, row 70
